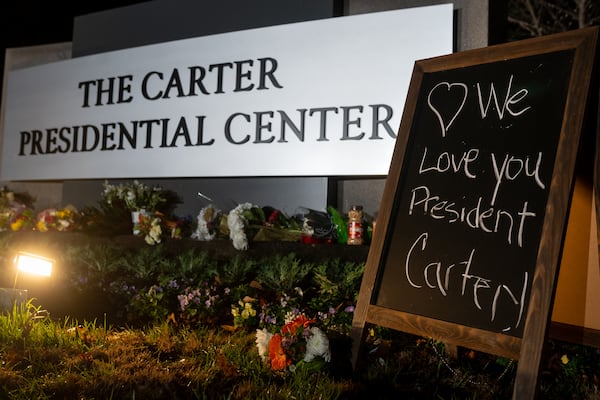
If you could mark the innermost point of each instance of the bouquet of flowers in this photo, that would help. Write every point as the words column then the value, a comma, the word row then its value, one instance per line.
column 298, row 344
column 21, row 218
column 208, row 221
column 152, row 229
column 238, row 224
column 278, row 226
column 16, row 210
column 239, row 220
column 52, row 219
column 135, row 196
column 244, row 223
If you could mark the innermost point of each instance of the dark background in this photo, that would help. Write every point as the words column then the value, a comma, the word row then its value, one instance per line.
column 33, row 22
column 36, row 22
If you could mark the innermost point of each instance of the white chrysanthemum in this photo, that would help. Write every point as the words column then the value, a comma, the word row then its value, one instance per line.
column 263, row 337
column 317, row 345
column 236, row 223
column 240, row 242
column 202, row 231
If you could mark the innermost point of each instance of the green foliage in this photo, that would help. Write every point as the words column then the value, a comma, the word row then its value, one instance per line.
column 144, row 264
column 106, row 220
column 282, row 274
column 16, row 327
column 192, row 266
column 340, row 223
column 176, row 306
column 572, row 369
column 338, row 282
column 149, row 285
column 184, row 353
column 237, row 271
column 91, row 265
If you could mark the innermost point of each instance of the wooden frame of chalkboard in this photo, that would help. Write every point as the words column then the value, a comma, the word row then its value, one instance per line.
column 471, row 224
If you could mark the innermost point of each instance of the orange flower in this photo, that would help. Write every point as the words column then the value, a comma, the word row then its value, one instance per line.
column 276, row 355
column 300, row 321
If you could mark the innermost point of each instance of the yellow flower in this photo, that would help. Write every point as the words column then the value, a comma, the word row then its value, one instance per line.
column 16, row 225
column 564, row 359
column 41, row 226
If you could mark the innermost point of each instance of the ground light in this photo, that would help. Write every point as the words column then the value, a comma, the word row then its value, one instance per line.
column 32, row 264
column 24, row 263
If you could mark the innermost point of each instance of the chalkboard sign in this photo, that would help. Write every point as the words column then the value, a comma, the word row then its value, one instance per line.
column 469, row 209
column 471, row 223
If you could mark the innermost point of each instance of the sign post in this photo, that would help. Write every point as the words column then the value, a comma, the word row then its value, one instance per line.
column 471, row 223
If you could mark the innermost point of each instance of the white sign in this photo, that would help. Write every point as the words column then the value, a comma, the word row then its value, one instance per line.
column 319, row 98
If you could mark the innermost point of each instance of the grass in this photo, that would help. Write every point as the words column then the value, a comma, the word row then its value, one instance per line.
column 147, row 343
column 42, row 358
column 85, row 361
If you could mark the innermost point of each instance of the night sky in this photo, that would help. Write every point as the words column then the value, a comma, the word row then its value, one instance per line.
column 33, row 22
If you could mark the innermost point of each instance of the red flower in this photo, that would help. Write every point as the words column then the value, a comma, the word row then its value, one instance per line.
column 292, row 327
column 273, row 217
column 276, row 354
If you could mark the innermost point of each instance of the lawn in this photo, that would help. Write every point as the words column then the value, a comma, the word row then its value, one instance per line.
column 129, row 321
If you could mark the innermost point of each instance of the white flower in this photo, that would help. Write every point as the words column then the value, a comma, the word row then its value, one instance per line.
column 290, row 316
column 263, row 337
column 136, row 195
column 205, row 216
column 240, row 242
column 63, row 224
column 236, row 223
column 306, row 228
column 153, row 237
column 317, row 345
column 130, row 200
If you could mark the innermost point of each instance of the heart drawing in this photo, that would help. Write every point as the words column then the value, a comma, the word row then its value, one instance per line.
column 449, row 100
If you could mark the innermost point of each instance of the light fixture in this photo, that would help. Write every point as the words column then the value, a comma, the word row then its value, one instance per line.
column 33, row 264
column 28, row 263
